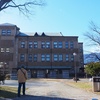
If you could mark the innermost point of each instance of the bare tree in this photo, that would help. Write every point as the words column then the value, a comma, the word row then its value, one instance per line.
column 22, row 5
column 94, row 39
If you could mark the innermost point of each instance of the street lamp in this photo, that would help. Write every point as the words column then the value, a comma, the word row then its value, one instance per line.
column 74, row 54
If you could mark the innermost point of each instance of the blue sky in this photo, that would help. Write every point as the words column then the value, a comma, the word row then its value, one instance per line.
column 71, row 17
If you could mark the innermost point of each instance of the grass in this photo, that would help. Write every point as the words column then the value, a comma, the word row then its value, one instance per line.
column 8, row 92
column 87, row 86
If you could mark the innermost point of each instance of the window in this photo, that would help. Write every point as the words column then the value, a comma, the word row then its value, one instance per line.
column 2, row 49
column 60, row 57
column 7, row 49
column 71, row 45
column 42, row 57
column 55, row 45
column 22, row 44
column 22, row 57
column 3, row 32
column 35, row 44
column 1, row 64
column 47, row 44
column 47, row 57
column 43, row 45
column 67, row 57
column 8, row 32
column 35, row 57
column 66, row 45
column 55, row 57
column 72, row 57
column 59, row 44
column 30, row 44
column 30, row 57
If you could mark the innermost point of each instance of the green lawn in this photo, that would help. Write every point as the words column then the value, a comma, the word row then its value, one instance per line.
column 8, row 92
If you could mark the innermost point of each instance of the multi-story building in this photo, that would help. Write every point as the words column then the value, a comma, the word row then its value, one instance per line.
column 42, row 54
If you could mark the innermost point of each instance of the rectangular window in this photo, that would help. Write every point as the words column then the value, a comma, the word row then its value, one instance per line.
column 55, row 57
column 67, row 57
column 35, row 57
column 35, row 44
column 59, row 44
column 7, row 49
column 60, row 57
column 3, row 32
column 8, row 32
column 47, row 44
column 2, row 49
column 1, row 64
column 22, row 57
column 72, row 57
column 71, row 45
column 42, row 44
column 30, row 57
column 55, row 45
column 67, row 45
column 30, row 44
column 22, row 44
column 47, row 57
column 42, row 57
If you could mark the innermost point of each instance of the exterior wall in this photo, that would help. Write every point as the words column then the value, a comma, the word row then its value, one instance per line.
column 7, row 41
column 51, row 68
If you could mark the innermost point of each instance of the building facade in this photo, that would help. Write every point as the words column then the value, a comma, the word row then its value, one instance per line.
column 42, row 54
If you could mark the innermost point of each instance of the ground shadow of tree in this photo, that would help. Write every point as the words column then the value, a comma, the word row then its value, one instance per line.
column 7, row 94
column 13, row 96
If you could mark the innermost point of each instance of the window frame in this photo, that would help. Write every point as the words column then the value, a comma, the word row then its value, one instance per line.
column 8, row 32
column 67, row 57
column 60, row 57
column 60, row 44
column 4, row 32
column 30, row 45
column 42, row 57
column 55, row 57
column 43, row 44
column 55, row 44
column 71, row 44
column 35, row 57
column 22, row 57
column 67, row 44
column 47, row 44
column 2, row 50
column 35, row 43
column 22, row 44
column 30, row 57
column 8, row 50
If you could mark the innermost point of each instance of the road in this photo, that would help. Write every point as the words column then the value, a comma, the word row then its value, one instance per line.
column 52, row 90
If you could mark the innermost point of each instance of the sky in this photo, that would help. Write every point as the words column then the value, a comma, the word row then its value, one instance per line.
column 71, row 17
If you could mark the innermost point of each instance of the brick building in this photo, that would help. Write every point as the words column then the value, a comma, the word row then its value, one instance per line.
column 42, row 54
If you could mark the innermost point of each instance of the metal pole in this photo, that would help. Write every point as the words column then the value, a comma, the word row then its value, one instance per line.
column 75, row 67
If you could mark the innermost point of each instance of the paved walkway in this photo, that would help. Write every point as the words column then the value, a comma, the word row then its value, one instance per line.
column 54, row 90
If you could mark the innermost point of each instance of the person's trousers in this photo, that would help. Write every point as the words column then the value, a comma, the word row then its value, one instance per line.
column 19, row 88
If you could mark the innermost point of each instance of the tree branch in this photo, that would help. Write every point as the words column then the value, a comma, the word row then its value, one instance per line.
column 23, row 8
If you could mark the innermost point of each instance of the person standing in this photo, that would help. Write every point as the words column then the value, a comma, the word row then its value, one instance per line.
column 22, row 77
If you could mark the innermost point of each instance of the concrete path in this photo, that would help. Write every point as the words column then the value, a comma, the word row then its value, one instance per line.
column 54, row 90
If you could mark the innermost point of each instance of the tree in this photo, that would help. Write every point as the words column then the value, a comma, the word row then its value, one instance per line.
column 22, row 5
column 94, row 39
column 93, row 69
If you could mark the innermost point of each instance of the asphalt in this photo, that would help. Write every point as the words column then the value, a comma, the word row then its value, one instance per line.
column 42, row 89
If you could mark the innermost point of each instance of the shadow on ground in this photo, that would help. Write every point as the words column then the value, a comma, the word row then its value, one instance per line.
column 30, row 97
column 7, row 94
